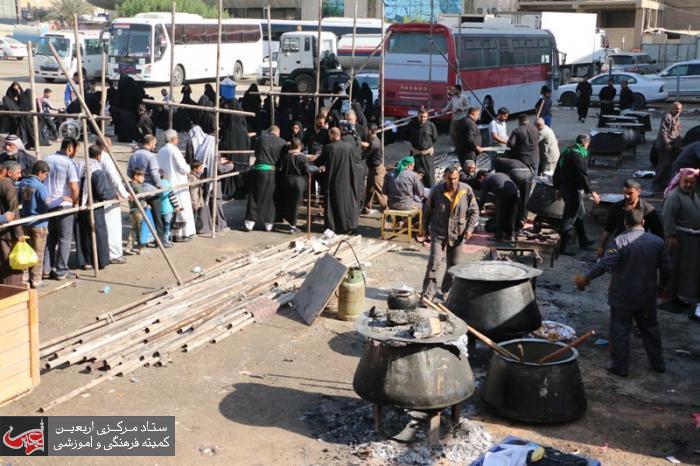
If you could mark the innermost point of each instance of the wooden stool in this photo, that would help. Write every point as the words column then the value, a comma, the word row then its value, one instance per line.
column 408, row 229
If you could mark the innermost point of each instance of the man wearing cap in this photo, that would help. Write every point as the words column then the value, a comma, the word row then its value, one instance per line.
column 403, row 187
column 682, row 230
column 616, row 215
column 15, row 152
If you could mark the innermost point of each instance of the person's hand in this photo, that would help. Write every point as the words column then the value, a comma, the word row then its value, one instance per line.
column 467, row 235
column 581, row 282
column 479, row 149
column 10, row 216
column 596, row 197
column 557, row 194
column 672, row 242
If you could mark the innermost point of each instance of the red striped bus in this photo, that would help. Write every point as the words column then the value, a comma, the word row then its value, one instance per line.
column 507, row 64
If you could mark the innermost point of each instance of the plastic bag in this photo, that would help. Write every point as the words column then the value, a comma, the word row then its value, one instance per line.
column 22, row 256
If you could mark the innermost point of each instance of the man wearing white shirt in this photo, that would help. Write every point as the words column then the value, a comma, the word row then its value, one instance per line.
column 113, row 213
column 458, row 104
column 498, row 129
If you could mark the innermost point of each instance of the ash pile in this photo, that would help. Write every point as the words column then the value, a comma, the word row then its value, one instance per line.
column 351, row 424
column 409, row 324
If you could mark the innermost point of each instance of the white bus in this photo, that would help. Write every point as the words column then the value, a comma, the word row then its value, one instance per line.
column 91, row 50
column 140, row 47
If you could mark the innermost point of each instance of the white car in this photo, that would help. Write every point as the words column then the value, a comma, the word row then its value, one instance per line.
column 645, row 89
column 682, row 79
column 262, row 74
column 13, row 48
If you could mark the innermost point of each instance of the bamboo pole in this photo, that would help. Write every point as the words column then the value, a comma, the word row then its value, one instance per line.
column 381, row 81
column 88, row 168
column 318, row 56
column 299, row 94
column 172, row 63
column 217, row 83
column 199, row 107
column 35, row 102
column 352, row 56
column 101, row 137
column 75, row 116
column 103, row 87
column 269, row 60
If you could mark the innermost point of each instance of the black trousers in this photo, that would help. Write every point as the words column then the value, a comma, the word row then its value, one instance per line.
column 427, row 164
column 582, row 107
column 574, row 213
column 522, row 176
column 506, row 212
column 154, row 203
column 620, row 328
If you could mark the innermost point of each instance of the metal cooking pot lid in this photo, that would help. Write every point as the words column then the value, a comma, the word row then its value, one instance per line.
column 493, row 271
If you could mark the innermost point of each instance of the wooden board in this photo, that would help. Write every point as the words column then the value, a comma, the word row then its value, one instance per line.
column 318, row 287
column 13, row 318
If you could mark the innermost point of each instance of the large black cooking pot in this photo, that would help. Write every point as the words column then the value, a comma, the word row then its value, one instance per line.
column 495, row 297
column 421, row 374
column 543, row 200
column 527, row 391
column 608, row 141
column 642, row 117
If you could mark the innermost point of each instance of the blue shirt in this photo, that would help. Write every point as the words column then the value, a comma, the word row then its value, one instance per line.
column 145, row 160
column 34, row 197
column 166, row 207
column 62, row 173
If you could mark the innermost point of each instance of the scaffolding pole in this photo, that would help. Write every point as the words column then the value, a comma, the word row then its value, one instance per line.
column 103, row 87
column 352, row 56
column 88, row 168
column 269, row 60
column 318, row 56
column 35, row 99
column 217, row 83
column 381, row 80
column 172, row 62
column 101, row 137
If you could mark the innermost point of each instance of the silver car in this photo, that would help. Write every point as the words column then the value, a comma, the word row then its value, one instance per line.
column 631, row 62
column 682, row 79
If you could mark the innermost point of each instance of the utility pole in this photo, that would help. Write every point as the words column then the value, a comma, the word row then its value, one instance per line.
column 17, row 10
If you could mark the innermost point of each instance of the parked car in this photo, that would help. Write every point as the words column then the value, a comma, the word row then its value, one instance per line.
column 262, row 73
column 645, row 88
column 13, row 48
column 682, row 79
column 633, row 62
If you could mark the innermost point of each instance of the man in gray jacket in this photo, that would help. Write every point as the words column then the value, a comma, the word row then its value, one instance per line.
column 634, row 258
column 450, row 215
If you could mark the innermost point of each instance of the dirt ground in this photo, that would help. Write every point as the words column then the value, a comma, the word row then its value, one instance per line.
column 263, row 395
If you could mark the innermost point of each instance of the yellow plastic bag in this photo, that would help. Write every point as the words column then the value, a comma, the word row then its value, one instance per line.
column 22, row 256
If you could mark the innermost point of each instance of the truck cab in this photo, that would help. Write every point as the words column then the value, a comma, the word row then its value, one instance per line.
column 296, row 60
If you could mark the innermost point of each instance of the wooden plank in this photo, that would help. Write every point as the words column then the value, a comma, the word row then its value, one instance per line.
column 17, row 367
column 318, row 287
column 12, row 356
column 34, row 336
column 14, row 387
column 11, row 295
column 13, row 339
column 15, row 317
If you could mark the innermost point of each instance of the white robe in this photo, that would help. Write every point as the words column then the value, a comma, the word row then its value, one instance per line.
column 113, row 213
column 173, row 164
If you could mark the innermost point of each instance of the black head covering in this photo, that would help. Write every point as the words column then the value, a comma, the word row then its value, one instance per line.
column 210, row 92
column 13, row 93
column 205, row 119
column 251, row 102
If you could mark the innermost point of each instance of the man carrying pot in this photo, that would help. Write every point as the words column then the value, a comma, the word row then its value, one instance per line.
column 450, row 215
column 634, row 257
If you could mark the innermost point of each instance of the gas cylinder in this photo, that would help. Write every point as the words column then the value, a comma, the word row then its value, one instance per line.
column 351, row 295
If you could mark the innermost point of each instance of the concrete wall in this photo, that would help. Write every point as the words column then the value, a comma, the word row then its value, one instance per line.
column 616, row 35
column 681, row 14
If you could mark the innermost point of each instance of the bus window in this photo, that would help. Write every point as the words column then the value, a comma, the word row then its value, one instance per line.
column 416, row 43
column 505, row 52
column 307, row 44
column 61, row 44
column 130, row 40
column 160, row 43
column 93, row 47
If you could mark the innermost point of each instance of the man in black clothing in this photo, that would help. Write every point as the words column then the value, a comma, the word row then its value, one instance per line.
column 571, row 182
column 375, row 172
column 261, row 204
column 607, row 96
column 616, row 215
column 145, row 124
column 468, row 137
column 317, row 137
column 501, row 188
column 584, row 91
column 423, row 135
column 626, row 96
column 522, row 163
column 15, row 152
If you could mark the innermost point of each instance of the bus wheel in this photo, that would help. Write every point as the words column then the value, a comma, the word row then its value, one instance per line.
column 568, row 99
column 304, row 83
column 237, row 71
column 639, row 100
column 178, row 75
column 49, row 80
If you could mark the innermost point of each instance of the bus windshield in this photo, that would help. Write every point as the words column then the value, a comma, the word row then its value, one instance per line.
column 61, row 44
column 133, row 40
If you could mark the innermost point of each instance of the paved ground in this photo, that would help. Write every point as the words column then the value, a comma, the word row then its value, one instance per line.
column 249, row 396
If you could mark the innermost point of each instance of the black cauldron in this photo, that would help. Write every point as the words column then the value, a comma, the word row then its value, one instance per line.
column 543, row 200
column 526, row 391
column 421, row 374
column 495, row 297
